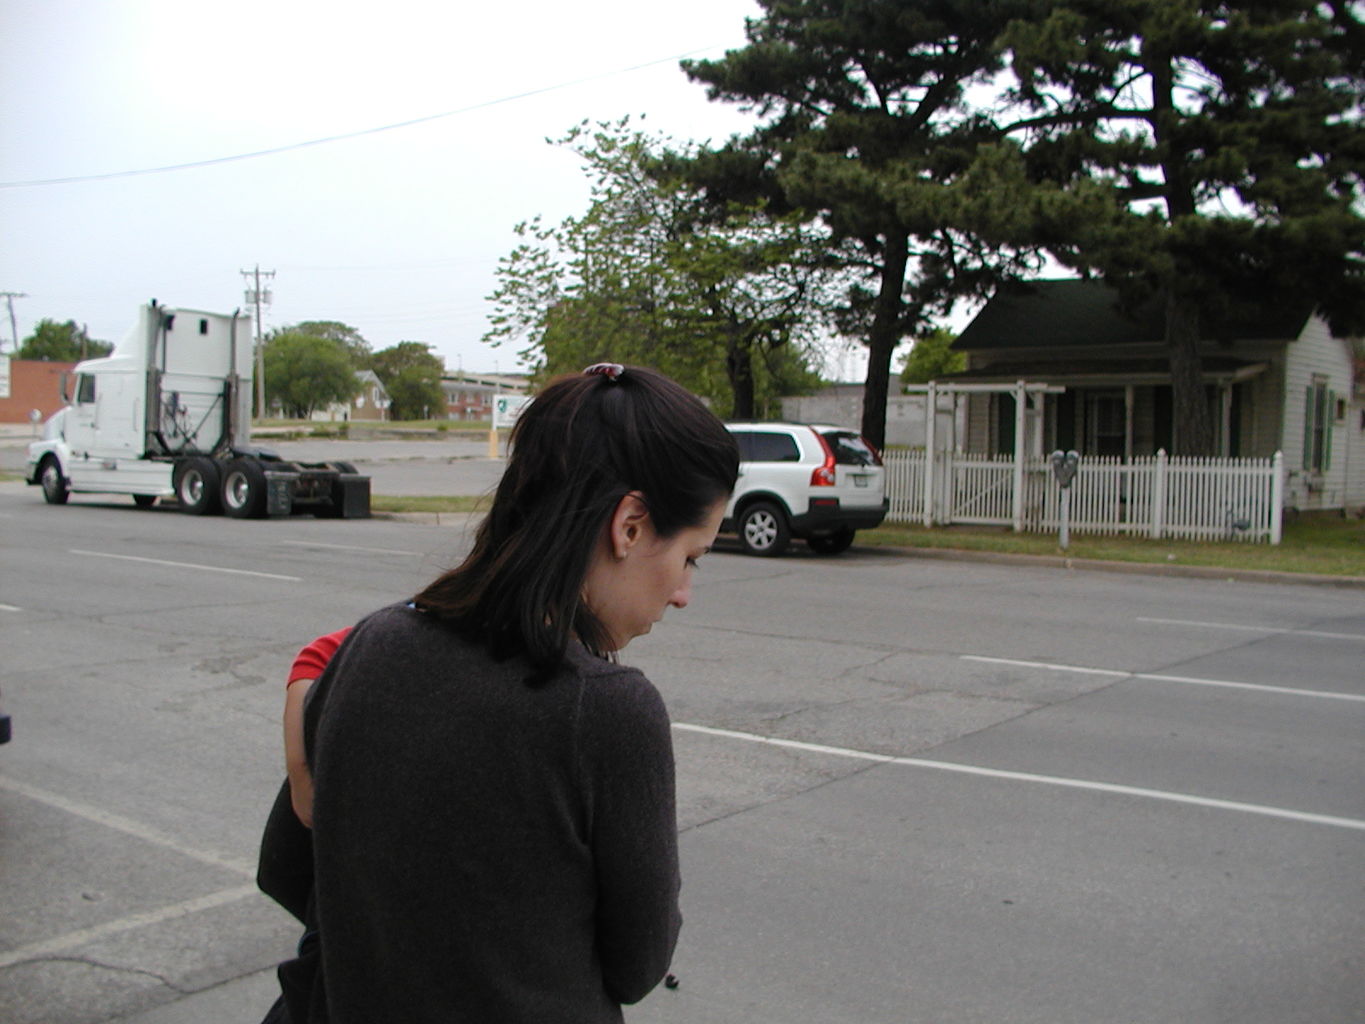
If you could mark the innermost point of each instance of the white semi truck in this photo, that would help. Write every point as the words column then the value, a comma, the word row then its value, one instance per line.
column 168, row 415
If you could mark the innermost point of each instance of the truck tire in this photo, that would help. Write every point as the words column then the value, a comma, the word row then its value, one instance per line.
column 55, row 490
column 244, row 489
column 831, row 543
column 197, row 486
column 763, row 530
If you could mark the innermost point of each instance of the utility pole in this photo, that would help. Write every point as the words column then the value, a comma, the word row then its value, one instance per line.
column 13, row 330
column 256, row 296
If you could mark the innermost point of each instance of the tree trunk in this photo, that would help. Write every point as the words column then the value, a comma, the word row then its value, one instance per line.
column 883, row 338
column 1193, row 433
column 739, row 368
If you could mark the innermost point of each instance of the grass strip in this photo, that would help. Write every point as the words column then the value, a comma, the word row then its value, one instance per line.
column 1327, row 545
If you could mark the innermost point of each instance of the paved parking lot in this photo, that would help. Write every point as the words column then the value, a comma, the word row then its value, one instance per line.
column 910, row 790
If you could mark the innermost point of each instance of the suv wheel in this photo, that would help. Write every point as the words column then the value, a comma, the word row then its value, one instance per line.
column 763, row 530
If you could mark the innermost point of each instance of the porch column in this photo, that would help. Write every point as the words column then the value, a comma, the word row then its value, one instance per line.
column 1020, row 419
column 930, row 415
column 1129, row 402
column 1225, row 427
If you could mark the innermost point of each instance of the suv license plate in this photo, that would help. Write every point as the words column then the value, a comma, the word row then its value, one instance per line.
column 860, row 481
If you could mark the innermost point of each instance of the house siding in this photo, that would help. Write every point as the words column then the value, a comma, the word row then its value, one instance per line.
column 1354, row 456
column 1316, row 355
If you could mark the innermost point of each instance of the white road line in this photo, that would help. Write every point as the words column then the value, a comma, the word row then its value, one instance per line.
column 1186, row 680
column 61, row 943
column 349, row 547
column 1254, row 629
column 186, row 565
column 1048, row 780
column 126, row 825
column 9, row 608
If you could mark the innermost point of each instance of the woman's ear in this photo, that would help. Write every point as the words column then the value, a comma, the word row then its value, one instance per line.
column 628, row 524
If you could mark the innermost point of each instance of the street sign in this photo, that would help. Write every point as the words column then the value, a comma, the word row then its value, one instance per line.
column 506, row 409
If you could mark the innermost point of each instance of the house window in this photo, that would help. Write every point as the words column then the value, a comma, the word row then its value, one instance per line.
column 1319, row 408
column 1106, row 422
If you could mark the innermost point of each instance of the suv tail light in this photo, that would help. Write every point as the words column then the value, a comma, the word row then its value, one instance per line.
column 823, row 474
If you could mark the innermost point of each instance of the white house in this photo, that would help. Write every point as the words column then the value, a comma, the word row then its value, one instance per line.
column 371, row 402
column 1276, row 379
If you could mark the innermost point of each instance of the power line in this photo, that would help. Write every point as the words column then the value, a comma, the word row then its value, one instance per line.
column 212, row 161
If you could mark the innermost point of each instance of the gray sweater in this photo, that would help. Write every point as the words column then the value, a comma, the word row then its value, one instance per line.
column 488, row 850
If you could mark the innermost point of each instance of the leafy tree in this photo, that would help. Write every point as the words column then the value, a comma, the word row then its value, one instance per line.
column 344, row 335
column 931, row 358
column 723, row 302
column 304, row 372
column 1210, row 153
column 61, row 343
column 411, row 373
column 867, row 127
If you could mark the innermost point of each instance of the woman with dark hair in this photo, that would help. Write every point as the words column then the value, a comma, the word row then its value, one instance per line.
column 493, row 817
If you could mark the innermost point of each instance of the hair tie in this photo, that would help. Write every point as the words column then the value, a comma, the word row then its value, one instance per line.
column 612, row 371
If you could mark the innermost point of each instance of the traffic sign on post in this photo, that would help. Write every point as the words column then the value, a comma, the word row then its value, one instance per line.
column 506, row 409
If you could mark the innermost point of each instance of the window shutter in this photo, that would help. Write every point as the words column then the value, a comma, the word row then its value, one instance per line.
column 1308, row 427
column 1329, row 416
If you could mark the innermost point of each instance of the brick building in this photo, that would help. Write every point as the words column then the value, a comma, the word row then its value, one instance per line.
column 28, row 384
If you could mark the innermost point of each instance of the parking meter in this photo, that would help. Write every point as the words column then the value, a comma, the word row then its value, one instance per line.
column 1064, row 469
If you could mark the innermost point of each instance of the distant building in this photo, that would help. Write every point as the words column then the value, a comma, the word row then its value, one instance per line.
column 370, row 403
column 29, row 384
column 841, row 405
column 469, row 396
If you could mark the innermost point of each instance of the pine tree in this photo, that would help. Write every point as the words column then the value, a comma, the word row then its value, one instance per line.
column 1210, row 154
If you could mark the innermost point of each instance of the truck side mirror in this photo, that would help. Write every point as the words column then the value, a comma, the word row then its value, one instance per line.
column 66, row 388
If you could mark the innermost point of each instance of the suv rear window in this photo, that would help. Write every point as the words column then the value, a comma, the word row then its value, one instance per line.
column 851, row 450
column 755, row 447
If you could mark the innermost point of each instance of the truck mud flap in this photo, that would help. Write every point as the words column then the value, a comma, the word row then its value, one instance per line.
column 351, row 496
column 279, row 493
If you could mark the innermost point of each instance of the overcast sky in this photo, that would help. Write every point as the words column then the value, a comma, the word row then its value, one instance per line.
column 397, row 232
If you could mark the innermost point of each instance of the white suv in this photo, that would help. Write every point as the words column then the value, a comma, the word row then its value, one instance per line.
column 816, row 482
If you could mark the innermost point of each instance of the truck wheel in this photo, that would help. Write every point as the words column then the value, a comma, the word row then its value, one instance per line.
column 244, row 489
column 196, row 486
column 144, row 500
column 763, row 530
column 55, row 491
column 831, row 543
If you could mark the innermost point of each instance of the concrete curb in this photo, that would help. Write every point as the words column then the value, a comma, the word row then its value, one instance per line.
column 1205, row 572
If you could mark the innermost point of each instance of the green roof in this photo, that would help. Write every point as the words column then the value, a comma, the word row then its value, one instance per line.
column 1074, row 312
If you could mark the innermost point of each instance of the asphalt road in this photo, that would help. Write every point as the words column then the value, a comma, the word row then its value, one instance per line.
column 910, row 791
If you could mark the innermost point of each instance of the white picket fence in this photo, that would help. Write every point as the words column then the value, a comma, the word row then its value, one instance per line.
column 1155, row 496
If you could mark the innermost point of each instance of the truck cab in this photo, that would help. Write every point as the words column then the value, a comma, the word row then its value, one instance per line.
column 168, row 415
